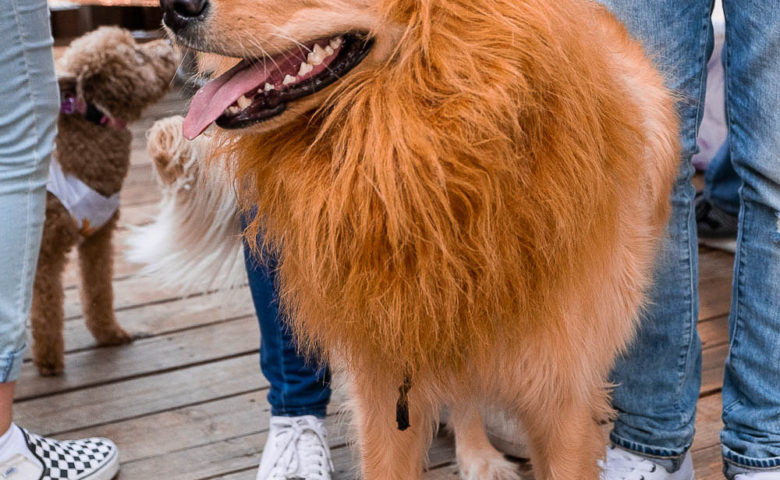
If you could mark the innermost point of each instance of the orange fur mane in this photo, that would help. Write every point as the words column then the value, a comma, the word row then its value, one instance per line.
column 444, row 201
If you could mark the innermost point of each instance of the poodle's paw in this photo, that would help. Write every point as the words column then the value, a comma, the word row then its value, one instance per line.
column 49, row 368
column 168, row 148
column 114, row 336
column 487, row 466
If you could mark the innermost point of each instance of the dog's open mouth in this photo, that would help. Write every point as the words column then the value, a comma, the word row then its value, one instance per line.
column 258, row 89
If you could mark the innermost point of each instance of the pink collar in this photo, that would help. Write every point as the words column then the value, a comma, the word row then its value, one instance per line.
column 71, row 105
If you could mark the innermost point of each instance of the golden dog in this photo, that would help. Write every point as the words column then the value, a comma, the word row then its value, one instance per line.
column 465, row 198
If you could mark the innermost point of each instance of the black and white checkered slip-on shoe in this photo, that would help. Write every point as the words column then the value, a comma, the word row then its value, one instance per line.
column 87, row 459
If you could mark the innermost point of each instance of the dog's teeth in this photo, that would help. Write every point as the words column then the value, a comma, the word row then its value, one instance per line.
column 305, row 68
column 329, row 50
column 268, row 87
column 232, row 110
column 288, row 80
column 314, row 59
column 243, row 101
column 319, row 51
column 335, row 43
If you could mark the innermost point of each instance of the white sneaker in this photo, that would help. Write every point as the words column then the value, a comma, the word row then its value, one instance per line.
column 42, row 458
column 297, row 448
column 770, row 475
column 624, row 465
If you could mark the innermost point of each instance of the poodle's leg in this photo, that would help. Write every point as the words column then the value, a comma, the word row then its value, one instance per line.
column 564, row 435
column 386, row 452
column 97, row 293
column 48, row 313
column 477, row 458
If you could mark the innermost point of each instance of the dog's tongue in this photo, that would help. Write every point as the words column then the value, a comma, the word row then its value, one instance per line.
column 217, row 95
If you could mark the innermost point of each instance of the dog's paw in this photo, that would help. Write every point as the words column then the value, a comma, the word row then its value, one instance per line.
column 53, row 369
column 489, row 467
column 115, row 336
column 168, row 148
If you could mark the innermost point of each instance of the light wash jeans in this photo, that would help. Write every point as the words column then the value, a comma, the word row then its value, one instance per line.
column 29, row 101
column 658, row 380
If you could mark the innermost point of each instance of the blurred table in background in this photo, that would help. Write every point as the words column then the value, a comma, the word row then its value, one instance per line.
column 73, row 18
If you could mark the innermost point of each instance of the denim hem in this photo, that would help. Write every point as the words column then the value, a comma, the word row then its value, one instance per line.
column 744, row 463
column 674, row 455
column 11, row 365
column 319, row 412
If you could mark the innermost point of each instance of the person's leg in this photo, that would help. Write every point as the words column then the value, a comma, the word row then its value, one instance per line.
column 658, row 378
column 751, row 388
column 717, row 206
column 297, row 438
column 28, row 88
column 298, row 385
column 721, row 182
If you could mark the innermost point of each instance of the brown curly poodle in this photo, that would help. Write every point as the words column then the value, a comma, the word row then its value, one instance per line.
column 106, row 80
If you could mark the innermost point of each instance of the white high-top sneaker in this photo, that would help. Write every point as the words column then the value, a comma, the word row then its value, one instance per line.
column 624, row 465
column 297, row 448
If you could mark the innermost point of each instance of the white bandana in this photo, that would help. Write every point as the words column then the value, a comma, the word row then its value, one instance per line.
column 89, row 209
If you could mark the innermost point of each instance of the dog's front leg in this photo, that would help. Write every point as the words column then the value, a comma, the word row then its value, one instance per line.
column 48, row 311
column 565, row 437
column 386, row 452
column 97, row 293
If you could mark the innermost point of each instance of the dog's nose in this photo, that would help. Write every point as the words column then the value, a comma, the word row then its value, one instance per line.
column 178, row 13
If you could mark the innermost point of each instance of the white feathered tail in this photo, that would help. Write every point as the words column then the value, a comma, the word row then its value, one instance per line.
column 193, row 243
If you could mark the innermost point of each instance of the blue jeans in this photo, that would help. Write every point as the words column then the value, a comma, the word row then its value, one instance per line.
column 658, row 380
column 30, row 103
column 298, row 386
column 721, row 182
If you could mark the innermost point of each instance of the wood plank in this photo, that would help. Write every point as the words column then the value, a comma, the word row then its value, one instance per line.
column 123, row 269
column 137, row 214
column 708, row 423
column 245, row 474
column 116, row 402
column 189, row 428
column 136, row 194
column 713, row 360
column 144, row 357
column 708, row 463
column 169, row 317
column 157, row 319
column 128, row 292
column 243, row 453
column 715, row 271
column 714, row 331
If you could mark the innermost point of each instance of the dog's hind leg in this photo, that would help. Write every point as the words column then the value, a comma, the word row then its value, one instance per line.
column 386, row 452
column 97, row 293
column 477, row 458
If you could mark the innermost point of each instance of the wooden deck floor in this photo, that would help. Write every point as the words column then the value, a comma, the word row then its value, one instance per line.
column 187, row 401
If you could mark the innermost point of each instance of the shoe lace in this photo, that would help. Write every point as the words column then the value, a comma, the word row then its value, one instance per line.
column 621, row 465
column 304, row 449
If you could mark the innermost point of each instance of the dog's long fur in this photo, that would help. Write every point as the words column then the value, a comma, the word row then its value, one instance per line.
column 194, row 241
column 479, row 210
